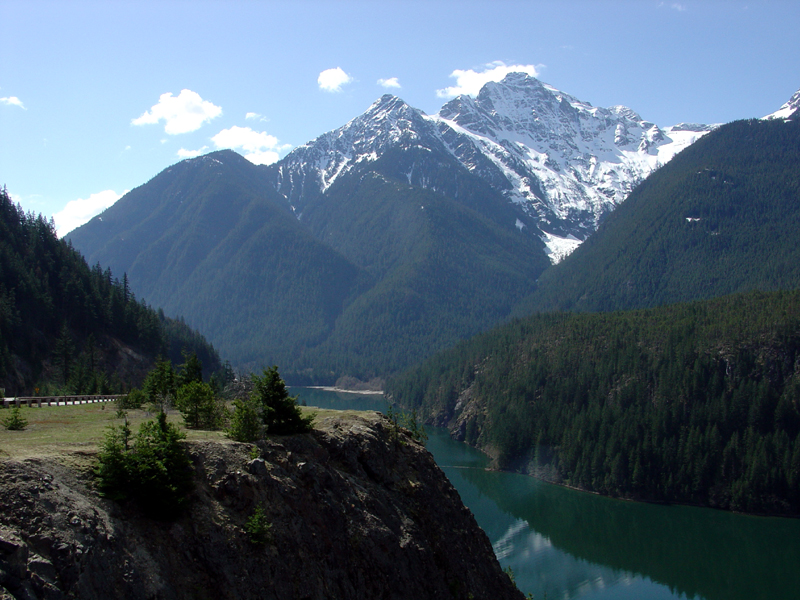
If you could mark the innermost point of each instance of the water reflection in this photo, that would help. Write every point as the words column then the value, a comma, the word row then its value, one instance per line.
column 694, row 552
column 571, row 544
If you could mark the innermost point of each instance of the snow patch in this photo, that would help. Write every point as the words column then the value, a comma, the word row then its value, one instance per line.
column 558, row 248
column 787, row 110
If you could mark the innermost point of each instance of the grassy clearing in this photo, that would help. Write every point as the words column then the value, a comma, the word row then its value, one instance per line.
column 54, row 430
column 62, row 430
column 330, row 412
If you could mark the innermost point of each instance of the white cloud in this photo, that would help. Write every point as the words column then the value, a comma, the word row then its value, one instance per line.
column 183, row 113
column 13, row 101
column 183, row 153
column 265, row 157
column 77, row 212
column 260, row 147
column 332, row 80
column 389, row 83
column 678, row 7
column 470, row 82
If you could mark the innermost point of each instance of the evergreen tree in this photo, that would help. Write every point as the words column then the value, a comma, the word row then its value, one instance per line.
column 280, row 412
column 246, row 423
column 191, row 370
column 154, row 470
column 64, row 354
column 199, row 406
column 160, row 385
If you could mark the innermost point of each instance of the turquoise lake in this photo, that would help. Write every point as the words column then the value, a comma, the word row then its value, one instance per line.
column 570, row 544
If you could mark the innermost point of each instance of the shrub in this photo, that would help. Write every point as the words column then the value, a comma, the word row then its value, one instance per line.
column 155, row 470
column 160, row 385
column 113, row 470
column 132, row 400
column 199, row 406
column 258, row 528
column 246, row 425
column 269, row 410
column 409, row 421
column 15, row 421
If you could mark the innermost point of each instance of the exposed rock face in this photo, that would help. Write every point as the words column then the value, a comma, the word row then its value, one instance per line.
column 355, row 513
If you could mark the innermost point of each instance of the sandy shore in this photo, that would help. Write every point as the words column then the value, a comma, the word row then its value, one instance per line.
column 328, row 388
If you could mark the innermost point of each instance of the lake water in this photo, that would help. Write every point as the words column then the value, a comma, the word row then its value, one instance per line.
column 569, row 544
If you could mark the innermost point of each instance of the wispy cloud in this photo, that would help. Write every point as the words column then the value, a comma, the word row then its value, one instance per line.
column 389, row 83
column 470, row 81
column 254, row 116
column 183, row 113
column 77, row 212
column 184, row 153
column 13, row 101
column 332, row 80
column 674, row 6
column 259, row 147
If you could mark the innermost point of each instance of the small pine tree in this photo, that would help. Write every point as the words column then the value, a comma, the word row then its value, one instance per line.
column 258, row 527
column 279, row 411
column 199, row 406
column 160, row 385
column 15, row 421
column 161, row 468
column 191, row 370
column 113, row 466
column 246, row 424
column 155, row 470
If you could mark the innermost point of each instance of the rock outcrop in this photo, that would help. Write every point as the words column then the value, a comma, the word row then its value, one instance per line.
column 356, row 511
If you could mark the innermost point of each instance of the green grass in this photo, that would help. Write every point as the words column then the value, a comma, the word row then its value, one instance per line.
column 53, row 430
column 61, row 430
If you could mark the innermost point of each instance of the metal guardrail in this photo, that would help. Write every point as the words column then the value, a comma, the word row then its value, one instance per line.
column 40, row 401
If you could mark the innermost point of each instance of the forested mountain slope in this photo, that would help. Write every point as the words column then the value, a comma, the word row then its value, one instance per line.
column 723, row 216
column 366, row 280
column 442, row 272
column 68, row 327
column 696, row 403
column 209, row 240
column 383, row 241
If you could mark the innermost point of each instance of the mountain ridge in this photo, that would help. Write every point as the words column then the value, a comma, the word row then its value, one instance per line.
column 562, row 163
column 706, row 224
column 362, row 198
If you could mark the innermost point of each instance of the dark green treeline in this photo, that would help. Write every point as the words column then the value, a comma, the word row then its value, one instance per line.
column 58, row 317
column 693, row 403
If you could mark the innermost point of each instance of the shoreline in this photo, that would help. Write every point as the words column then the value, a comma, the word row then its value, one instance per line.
column 328, row 388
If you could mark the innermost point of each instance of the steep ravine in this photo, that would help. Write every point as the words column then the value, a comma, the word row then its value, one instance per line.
column 355, row 513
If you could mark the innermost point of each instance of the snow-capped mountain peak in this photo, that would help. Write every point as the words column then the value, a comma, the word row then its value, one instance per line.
column 787, row 110
column 561, row 161
column 569, row 162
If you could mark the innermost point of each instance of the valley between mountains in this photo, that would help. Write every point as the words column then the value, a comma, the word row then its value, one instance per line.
column 371, row 252
column 387, row 240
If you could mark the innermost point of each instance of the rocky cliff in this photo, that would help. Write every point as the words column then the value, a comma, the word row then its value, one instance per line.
column 356, row 511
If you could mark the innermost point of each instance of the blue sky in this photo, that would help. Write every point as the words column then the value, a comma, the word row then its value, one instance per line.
column 97, row 97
